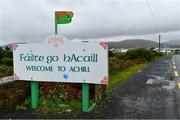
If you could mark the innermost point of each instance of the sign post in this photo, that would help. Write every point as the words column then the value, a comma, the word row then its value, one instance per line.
column 85, row 97
column 34, row 94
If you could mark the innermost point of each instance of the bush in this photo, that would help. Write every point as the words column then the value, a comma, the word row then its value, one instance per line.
column 122, row 61
column 136, row 53
column 120, row 55
column 4, row 68
column 111, row 54
column 5, row 53
column 113, row 63
column 141, row 53
column 9, row 71
column 7, row 61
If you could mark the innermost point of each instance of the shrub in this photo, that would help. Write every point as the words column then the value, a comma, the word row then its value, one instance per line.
column 7, row 61
column 4, row 68
column 121, row 61
column 5, row 53
column 111, row 54
column 135, row 53
column 10, row 71
column 120, row 55
column 113, row 63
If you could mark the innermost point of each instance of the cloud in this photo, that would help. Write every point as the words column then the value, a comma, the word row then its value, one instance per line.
column 33, row 20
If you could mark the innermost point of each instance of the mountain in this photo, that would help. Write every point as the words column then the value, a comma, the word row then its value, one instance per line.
column 172, row 43
column 133, row 43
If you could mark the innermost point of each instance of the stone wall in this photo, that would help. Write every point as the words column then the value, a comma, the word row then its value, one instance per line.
column 12, row 93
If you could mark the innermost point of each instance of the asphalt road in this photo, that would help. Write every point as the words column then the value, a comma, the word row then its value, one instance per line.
column 152, row 93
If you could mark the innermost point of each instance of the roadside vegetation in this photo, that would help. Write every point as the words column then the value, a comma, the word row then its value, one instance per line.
column 124, row 65
column 121, row 61
column 177, row 52
column 59, row 97
column 6, row 62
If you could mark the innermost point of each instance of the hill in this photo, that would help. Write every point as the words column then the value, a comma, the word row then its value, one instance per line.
column 133, row 43
column 172, row 43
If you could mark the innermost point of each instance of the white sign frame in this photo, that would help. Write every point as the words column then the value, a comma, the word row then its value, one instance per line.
column 85, row 62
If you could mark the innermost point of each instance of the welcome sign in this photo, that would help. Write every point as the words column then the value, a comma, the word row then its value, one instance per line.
column 59, row 60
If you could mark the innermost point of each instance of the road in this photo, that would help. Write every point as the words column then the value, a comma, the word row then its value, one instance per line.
column 152, row 93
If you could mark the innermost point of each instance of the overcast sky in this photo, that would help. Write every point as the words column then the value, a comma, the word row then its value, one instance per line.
column 104, row 20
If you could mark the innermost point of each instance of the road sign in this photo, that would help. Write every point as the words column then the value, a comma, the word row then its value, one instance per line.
column 59, row 60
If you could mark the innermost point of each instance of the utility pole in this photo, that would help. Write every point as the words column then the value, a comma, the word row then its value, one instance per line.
column 159, row 43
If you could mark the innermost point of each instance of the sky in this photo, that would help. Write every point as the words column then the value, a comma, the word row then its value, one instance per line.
column 95, row 20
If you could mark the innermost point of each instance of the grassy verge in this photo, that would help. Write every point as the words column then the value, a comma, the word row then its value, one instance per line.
column 121, row 76
column 47, row 106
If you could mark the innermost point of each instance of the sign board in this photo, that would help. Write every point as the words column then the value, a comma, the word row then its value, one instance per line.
column 59, row 60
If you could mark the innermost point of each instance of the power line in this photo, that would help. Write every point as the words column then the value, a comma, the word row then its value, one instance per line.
column 155, row 24
column 154, row 20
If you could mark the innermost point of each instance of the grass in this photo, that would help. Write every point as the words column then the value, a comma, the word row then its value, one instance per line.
column 24, row 105
column 47, row 105
column 121, row 76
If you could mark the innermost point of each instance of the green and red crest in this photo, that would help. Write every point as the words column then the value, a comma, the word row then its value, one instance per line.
column 63, row 17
